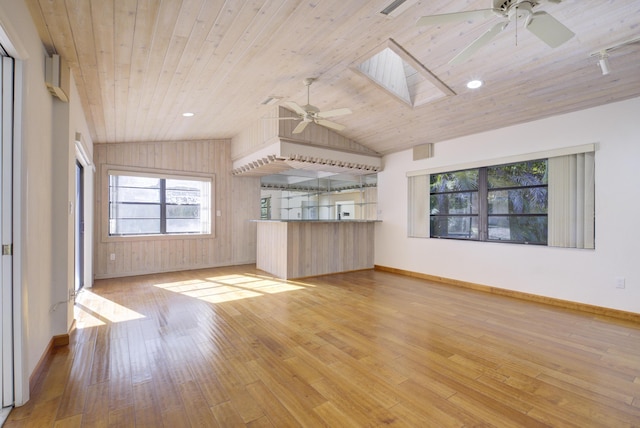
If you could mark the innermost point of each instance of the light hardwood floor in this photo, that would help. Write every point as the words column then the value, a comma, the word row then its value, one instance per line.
column 233, row 347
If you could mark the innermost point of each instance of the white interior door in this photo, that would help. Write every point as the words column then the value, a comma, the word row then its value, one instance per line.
column 6, row 230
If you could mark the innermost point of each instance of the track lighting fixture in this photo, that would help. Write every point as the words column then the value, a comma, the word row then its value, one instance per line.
column 603, row 54
column 603, row 62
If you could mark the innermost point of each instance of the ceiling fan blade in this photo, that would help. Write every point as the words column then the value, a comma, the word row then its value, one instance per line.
column 468, row 52
column 548, row 29
column 330, row 124
column 298, row 129
column 334, row 113
column 456, row 16
column 281, row 118
column 295, row 107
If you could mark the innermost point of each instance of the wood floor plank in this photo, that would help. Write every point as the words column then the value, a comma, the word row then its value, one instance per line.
column 70, row 422
column 364, row 348
column 123, row 417
column 262, row 422
column 236, row 390
column 100, row 368
column 73, row 399
column 273, row 409
column 333, row 417
column 96, row 410
column 198, row 412
column 296, row 405
column 146, row 404
column 226, row 415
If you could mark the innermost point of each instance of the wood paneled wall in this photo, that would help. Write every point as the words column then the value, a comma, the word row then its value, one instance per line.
column 236, row 199
column 268, row 131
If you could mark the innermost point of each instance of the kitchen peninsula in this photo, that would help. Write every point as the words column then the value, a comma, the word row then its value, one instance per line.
column 301, row 248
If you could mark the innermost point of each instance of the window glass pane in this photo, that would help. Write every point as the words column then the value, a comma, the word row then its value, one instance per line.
column 461, row 227
column 525, row 229
column 531, row 173
column 136, row 211
column 133, row 194
column 183, row 211
column 531, row 200
column 454, row 181
column 134, row 226
column 183, row 191
column 131, row 181
column 183, row 225
column 454, row 203
column 184, row 184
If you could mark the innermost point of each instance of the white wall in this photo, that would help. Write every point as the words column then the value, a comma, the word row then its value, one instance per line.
column 586, row 276
column 46, row 160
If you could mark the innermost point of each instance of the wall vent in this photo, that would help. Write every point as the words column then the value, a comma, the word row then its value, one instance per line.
column 423, row 151
column 57, row 77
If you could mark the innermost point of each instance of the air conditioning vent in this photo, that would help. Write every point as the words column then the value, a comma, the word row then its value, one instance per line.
column 57, row 77
column 396, row 7
column 423, row 151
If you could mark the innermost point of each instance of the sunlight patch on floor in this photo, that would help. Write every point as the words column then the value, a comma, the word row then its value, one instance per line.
column 94, row 310
column 225, row 288
column 84, row 319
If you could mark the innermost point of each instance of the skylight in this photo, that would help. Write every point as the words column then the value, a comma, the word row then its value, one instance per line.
column 395, row 70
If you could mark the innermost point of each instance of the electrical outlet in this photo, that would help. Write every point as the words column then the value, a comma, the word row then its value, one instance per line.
column 112, row 256
column 620, row 282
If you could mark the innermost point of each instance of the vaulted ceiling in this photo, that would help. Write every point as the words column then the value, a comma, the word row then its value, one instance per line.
column 139, row 64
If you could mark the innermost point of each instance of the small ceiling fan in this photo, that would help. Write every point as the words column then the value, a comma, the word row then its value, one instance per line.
column 541, row 24
column 309, row 113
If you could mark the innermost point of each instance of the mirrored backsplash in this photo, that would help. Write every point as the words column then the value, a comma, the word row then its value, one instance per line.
column 317, row 195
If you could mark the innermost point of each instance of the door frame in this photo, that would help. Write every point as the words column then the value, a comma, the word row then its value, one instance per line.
column 6, row 229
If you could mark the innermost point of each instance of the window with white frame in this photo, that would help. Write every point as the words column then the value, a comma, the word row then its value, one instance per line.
column 151, row 204
column 545, row 201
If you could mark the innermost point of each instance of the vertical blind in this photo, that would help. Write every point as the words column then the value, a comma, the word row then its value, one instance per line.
column 419, row 206
column 572, row 201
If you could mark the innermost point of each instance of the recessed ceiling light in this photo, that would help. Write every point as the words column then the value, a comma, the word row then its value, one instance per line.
column 188, row 114
column 474, row 84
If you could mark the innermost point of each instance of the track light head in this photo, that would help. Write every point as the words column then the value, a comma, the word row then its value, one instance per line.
column 603, row 62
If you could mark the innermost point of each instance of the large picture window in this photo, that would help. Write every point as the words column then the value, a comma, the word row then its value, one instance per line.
column 154, row 205
column 548, row 199
column 505, row 203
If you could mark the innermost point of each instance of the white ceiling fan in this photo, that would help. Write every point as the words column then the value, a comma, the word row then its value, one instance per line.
column 541, row 24
column 309, row 113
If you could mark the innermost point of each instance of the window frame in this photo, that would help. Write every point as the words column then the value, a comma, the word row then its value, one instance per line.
column 482, row 216
column 109, row 169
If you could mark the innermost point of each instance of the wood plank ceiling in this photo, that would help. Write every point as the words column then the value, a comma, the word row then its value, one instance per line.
column 139, row 64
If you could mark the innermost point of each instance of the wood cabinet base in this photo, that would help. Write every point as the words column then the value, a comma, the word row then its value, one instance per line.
column 295, row 249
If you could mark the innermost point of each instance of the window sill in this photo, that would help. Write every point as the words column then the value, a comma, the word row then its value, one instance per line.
column 169, row 237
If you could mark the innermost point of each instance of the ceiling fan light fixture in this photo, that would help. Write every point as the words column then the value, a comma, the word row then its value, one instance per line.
column 474, row 84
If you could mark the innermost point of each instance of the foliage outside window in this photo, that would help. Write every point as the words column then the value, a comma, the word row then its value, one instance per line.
column 151, row 205
column 506, row 203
